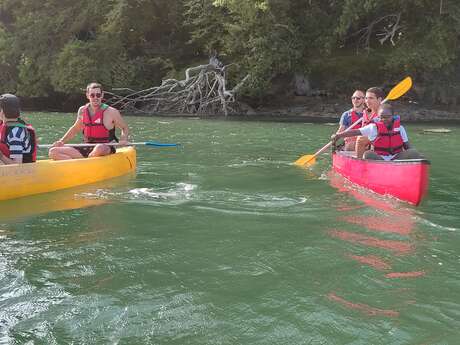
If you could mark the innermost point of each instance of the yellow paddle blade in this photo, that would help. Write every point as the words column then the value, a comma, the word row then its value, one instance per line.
column 306, row 160
column 400, row 89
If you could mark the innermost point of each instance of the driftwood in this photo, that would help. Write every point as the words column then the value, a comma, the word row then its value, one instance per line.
column 386, row 28
column 203, row 92
column 437, row 130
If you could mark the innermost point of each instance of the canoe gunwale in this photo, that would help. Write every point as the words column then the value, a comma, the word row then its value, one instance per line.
column 392, row 162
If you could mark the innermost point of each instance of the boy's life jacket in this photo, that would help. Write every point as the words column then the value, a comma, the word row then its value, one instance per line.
column 6, row 128
column 388, row 141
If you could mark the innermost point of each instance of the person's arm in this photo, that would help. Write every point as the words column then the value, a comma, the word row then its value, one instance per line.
column 7, row 160
column 368, row 131
column 120, row 123
column 342, row 122
column 350, row 133
column 404, row 137
column 72, row 131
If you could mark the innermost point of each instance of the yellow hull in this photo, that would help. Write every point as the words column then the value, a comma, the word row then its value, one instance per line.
column 18, row 180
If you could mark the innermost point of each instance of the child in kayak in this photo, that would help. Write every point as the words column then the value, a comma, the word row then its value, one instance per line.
column 17, row 139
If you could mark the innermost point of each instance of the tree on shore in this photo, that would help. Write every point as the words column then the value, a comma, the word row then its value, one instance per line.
column 57, row 46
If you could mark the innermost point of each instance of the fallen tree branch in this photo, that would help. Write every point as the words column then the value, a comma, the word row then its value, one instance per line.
column 202, row 92
column 391, row 28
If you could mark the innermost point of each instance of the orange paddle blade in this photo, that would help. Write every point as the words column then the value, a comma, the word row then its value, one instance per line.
column 306, row 160
column 400, row 89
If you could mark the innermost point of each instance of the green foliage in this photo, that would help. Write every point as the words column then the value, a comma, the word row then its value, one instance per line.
column 207, row 31
column 53, row 46
column 148, row 72
column 76, row 65
column 8, row 70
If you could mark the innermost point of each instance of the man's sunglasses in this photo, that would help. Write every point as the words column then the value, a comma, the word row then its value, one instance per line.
column 97, row 95
column 354, row 97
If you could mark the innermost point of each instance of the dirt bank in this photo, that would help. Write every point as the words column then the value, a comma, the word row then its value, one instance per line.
column 308, row 109
column 319, row 109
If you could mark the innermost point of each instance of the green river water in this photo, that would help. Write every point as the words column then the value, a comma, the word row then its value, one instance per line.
column 224, row 241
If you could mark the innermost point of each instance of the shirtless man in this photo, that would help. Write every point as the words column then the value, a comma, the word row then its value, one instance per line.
column 98, row 122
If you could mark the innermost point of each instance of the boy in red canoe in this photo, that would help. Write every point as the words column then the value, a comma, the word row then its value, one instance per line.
column 389, row 140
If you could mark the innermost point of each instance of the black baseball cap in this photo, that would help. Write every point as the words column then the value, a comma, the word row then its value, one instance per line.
column 10, row 105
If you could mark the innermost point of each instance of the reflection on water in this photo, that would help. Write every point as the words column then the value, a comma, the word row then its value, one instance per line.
column 386, row 227
column 372, row 260
column 68, row 199
column 399, row 225
column 42, row 204
column 364, row 308
column 396, row 247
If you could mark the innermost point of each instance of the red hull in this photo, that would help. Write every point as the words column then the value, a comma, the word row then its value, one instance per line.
column 406, row 180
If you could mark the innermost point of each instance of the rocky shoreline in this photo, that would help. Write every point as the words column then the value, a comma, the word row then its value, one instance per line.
column 304, row 110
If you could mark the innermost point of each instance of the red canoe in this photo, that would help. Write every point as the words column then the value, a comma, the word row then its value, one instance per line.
column 406, row 180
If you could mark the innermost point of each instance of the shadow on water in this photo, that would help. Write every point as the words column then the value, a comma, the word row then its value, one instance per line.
column 42, row 204
column 63, row 200
column 382, row 234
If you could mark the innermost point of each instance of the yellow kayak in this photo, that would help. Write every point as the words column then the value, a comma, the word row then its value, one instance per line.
column 18, row 180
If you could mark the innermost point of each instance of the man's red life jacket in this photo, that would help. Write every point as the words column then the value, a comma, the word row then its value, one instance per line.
column 94, row 130
column 388, row 141
column 6, row 127
column 354, row 118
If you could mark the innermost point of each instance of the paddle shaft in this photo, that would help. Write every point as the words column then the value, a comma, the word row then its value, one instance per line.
column 325, row 147
column 147, row 143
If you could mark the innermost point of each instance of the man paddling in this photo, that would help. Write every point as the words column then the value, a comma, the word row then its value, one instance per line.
column 98, row 122
column 17, row 138
column 388, row 138
column 351, row 116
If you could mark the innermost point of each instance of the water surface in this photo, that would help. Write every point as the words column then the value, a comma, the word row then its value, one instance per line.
column 224, row 241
